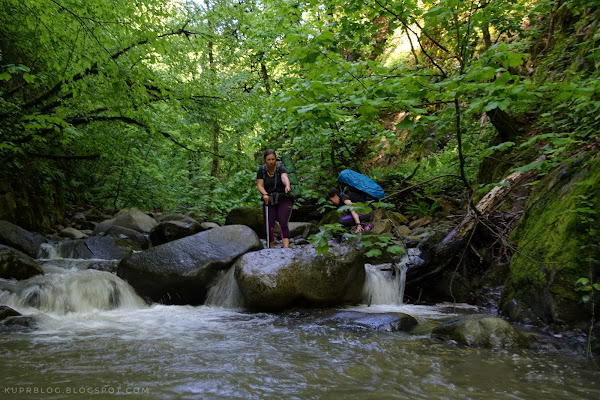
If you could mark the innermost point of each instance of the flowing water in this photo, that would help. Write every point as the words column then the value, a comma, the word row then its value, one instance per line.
column 93, row 337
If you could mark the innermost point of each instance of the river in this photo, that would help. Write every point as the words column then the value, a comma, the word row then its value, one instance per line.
column 94, row 338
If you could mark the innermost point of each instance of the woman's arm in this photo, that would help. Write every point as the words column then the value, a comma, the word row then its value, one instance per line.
column 260, row 185
column 355, row 217
column 286, row 182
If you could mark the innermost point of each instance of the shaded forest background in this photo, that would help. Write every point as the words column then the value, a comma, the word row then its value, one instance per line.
column 167, row 105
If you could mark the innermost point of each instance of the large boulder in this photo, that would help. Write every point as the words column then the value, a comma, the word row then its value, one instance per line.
column 136, row 220
column 72, row 233
column 106, row 248
column 15, row 264
column 303, row 229
column 93, row 247
column 131, row 218
column 274, row 279
column 20, row 239
column 181, row 271
column 249, row 216
column 557, row 243
column 129, row 238
column 480, row 331
column 167, row 231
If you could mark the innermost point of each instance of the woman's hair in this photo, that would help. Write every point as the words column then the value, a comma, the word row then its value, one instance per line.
column 332, row 193
column 268, row 152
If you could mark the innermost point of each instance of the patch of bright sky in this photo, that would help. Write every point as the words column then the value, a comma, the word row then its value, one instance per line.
column 400, row 49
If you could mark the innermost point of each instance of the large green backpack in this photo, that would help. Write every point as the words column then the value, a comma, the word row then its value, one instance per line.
column 286, row 159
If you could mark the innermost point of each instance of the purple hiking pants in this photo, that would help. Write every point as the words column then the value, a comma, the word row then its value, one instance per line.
column 282, row 211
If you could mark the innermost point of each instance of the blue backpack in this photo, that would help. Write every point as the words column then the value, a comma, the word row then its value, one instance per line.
column 362, row 183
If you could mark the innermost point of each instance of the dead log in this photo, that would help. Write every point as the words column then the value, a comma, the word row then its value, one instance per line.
column 490, row 202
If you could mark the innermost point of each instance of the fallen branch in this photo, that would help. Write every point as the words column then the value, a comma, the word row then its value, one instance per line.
column 491, row 201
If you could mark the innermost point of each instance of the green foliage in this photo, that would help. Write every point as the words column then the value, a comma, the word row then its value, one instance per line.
column 422, row 208
column 378, row 244
column 586, row 286
column 320, row 241
column 163, row 104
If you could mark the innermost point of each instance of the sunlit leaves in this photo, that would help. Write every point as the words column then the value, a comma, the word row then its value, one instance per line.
column 501, row 147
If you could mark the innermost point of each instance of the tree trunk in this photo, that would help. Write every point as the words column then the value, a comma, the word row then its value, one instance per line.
column 216, row 128
column 504, row 124
column 264, row 75
column 485, row 28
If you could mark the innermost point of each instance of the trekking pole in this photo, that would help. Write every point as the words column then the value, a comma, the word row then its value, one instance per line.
column 266, row 206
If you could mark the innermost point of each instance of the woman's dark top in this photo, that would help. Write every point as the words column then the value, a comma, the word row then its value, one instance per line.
column 272, row 184
column 354, row 196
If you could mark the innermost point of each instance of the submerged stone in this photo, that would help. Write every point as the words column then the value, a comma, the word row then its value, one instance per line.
column 388, row 322
column 480, row 331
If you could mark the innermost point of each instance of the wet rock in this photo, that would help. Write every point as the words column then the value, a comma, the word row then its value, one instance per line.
column 385, row 221
column 16, row 237
column 181, row 271
column 132, row 219
column 167, row 231
column 555, row 245
column 15, row 264
column 177, row 217
column 275, row 279
column 18, row 324
column 303, row 229
column 249, row 216
column 72, row 233
column 6, row 312
column 480, row 331
column 209, row 225
column 136, row 220
column 128, row 237
column 402, row 230
column 388, row 322
column 103, row 226
column 106, row 248
column 93, row 247
column 420, row 222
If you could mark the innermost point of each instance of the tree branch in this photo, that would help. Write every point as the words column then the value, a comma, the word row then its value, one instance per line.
column 94, row 69
column 132, row 121
column 418, row 39
column 64, row 156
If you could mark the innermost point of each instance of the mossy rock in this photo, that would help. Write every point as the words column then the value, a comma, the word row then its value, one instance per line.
column 555, row 244
column 331, row 217
column 480, row 331
column 249, row 216
column 15, row 264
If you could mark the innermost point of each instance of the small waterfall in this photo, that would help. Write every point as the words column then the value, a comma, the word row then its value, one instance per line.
column 68, row 248
column 226, row 292
column 73, row 254
column 385, row 282
column 62, row 291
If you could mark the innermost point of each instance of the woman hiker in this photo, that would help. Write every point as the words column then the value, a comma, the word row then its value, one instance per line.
column 338, row 198
column 274, row 185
